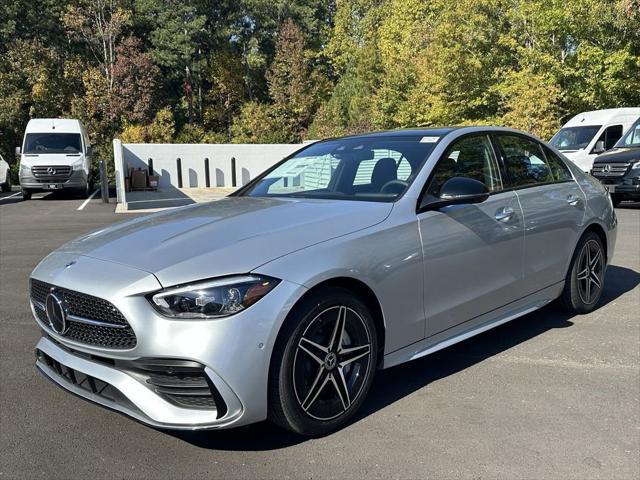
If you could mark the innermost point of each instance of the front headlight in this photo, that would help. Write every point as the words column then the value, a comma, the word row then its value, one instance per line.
column 636, row 166
column 212, row 298
column 79, row 165
column 25, row 169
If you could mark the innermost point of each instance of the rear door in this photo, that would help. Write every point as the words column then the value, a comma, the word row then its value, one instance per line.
column 553, row 207
column 472, row 253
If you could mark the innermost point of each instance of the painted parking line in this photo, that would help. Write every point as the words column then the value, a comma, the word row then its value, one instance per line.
column 84, row 204
column 10, row 196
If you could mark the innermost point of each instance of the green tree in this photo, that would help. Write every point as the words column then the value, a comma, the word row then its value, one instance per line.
column 256, row 123
column 98, row 25
column 177, row 36
column 530, row 101
column 226, row 94
column 294, row 86
column 135, row 81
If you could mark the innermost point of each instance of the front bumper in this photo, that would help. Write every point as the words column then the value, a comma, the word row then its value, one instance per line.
column 77, row 181
column 234, row 351
column 628, row 185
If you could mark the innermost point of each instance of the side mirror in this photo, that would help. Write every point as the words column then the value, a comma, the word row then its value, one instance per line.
column 18, row 150
column 456, row 191
column 599, row 148
column 89, row 151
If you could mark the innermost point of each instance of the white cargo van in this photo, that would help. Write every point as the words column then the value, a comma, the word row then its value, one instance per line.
column 589, row 134
column 55, row 155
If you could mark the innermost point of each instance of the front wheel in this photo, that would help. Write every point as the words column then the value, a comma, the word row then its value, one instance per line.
column 26, row 194
column 323, row 363
column 585, row 279
column 85, row 192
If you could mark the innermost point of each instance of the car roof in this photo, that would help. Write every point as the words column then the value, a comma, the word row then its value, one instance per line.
column 434, row 132
column 407, row 132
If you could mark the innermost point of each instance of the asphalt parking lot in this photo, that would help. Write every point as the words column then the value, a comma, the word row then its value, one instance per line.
column 546, row 396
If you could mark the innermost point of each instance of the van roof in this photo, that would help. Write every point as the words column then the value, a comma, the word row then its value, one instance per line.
column 62, row 125
column 602, row 117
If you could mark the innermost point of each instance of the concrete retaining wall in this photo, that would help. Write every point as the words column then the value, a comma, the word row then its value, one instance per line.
column 250, row 161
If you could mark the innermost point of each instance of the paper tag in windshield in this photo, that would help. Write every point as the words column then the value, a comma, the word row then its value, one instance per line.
column 429, row 139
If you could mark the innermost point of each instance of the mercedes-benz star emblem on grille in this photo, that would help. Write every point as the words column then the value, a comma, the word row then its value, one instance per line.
column 56, row 312
column 606, row 168
column 51, row 171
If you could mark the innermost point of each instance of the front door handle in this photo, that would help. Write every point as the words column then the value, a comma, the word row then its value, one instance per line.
column 504, row 214
column 573, row 200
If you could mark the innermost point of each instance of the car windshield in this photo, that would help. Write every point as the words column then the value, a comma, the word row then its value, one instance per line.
column 631, row 138
column 574, row 138
column 52, row 143
column 360, row 168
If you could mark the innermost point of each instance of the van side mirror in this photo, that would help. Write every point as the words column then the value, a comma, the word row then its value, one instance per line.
column 456, row 191
column 89, row 151
column 599, row 148
column 18, row 150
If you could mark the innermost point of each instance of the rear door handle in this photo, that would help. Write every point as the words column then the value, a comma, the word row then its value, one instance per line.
column 504, row 214
column 573, row 200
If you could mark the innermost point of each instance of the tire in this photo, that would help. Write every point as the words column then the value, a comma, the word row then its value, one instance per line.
column 616, row 199
column 26, row 194
column 585, row 280
column 312, row 389
column 6, row 186
column 86, row 191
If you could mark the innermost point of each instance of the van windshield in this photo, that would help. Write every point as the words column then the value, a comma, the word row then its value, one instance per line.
column 631, row 138
column 574, row 138
column 52, row 143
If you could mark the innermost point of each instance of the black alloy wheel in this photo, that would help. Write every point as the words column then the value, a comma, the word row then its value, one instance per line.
column 327, row 353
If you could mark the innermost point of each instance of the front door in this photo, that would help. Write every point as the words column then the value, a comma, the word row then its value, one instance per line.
column 472, row 253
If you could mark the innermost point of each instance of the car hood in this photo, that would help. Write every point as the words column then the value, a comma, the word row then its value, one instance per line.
column 229, row 236
column 622, row 155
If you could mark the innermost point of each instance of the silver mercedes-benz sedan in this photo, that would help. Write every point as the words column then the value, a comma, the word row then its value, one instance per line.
column 354, row 254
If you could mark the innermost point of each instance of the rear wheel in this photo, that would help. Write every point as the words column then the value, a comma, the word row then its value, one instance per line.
column 585, row 280
column 26, row 194
column 323, row 363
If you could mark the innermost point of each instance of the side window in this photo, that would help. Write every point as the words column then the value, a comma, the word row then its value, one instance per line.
column 524, row 161
column 559, row 169
column 610, row 136
column 470, row 157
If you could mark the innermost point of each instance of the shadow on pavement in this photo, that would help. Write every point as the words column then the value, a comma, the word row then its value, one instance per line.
column 397, row 382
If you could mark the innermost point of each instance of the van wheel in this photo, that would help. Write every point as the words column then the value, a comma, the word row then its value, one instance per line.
column 86, row 191
column 6, row 186
column 26, row 194
column 323, row 363
column 585, row 279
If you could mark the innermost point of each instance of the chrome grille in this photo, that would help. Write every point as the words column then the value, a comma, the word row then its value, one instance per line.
column 51, row 172
column 109, row 328
column 610, row 169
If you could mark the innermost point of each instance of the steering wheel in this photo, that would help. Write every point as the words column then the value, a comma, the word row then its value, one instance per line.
column 394, row 186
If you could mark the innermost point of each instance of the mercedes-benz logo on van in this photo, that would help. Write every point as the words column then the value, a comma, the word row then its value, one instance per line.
column 606, row 168
column 51, row 171
column 56, row 310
